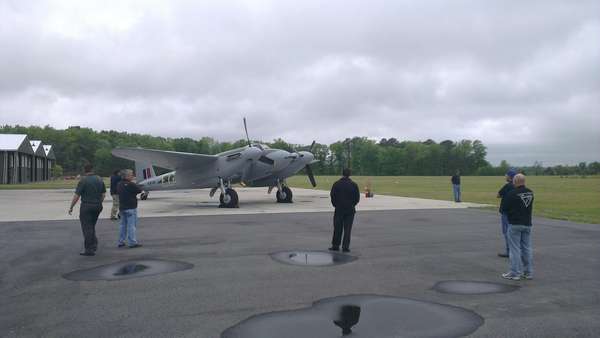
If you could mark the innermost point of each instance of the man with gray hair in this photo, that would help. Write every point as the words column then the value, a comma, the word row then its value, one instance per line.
column 128, row 191
column 518, row 208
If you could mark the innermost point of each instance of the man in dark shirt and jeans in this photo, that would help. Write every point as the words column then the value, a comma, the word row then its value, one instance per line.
column 91, row 190
column 344, row 197
column 518, row 206
column 504, row 220
column 456, row 186
column 128, row 190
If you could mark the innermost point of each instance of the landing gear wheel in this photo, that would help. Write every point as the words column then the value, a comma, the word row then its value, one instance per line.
column 284, row 195
column 144, row 195
column 229, row 199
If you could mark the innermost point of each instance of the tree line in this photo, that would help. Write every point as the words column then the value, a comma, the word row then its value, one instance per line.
column 75, row 146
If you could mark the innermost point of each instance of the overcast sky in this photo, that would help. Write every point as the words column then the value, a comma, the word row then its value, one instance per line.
column 522, row 76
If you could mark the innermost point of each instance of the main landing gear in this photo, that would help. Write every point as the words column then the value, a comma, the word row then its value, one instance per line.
column 229, row 197
column 284, row 193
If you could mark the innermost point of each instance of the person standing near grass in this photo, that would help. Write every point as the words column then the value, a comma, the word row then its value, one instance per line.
column 91, row 190
column 128, row 191
column 508, row 186
column 114, row 181
column 344, row 198
column 456, row 186
column 518, row 208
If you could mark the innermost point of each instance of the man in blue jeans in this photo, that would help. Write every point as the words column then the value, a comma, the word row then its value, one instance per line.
column 456, row 186
column 518, row 208
column 128, row 191
column 501, row 194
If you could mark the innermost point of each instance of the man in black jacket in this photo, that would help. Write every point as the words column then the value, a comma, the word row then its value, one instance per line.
column 344, row 197
column 518, row 207
column 91, row 190
column 503, row 219
column 455, row 179
column 128, row 191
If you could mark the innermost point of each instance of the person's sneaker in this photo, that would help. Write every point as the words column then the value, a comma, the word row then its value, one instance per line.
column 120, row 245
column 511, row 276
column 87, row 253
column 333, row 248
column 346, row 250
column 527, row 276
column 136, row 245
column 113, row 218
column 505, row 255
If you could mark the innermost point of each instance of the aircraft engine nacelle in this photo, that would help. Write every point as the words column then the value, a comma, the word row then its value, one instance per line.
column 281, row 159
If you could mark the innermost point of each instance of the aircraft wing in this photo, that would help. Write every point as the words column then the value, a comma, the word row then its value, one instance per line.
column 165, row 159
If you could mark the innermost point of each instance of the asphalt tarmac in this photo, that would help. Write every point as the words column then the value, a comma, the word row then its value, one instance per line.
column 400, row 253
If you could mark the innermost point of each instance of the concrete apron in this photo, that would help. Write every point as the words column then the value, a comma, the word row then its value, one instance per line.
column 37, row 205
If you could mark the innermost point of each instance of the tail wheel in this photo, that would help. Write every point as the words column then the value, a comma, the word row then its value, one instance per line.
column 144, row 195
column 284, row 195
column 229, row 199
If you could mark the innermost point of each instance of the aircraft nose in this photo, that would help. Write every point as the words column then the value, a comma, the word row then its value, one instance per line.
column 307, row 157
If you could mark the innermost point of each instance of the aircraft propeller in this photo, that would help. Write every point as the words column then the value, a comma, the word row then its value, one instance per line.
column 309, row 171
column 247, row 137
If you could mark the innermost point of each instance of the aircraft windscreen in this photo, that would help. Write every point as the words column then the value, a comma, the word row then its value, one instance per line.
column 261, row 146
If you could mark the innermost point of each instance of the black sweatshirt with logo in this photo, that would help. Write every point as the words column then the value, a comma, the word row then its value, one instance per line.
column 518, row 205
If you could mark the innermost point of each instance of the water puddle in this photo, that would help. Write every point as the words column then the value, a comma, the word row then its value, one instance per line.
column 472, row 287
column 312, row 258
column 128, row 269
column 365, row 316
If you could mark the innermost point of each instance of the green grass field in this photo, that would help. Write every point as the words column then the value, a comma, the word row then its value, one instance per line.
column 53, row 184
column 574, row 199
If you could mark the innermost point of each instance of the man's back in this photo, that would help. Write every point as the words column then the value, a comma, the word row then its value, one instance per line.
column 345, row 194
column 91, row 188
column 518, row 206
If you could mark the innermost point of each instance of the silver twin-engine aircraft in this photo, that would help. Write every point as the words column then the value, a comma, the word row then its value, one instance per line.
column 255, row 165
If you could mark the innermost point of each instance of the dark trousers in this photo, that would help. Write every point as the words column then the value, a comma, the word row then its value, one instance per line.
column 88, row 216
column 342, row 223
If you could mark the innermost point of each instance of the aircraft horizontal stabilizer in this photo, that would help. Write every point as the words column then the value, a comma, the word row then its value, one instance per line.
column 164, row 159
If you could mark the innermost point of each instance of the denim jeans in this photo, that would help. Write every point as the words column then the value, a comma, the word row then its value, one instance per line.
column 504, row 220
column 128, row 226
column 521, row 252
column 456, row 190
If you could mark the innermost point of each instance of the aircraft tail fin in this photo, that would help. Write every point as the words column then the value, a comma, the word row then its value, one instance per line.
column 143, row 171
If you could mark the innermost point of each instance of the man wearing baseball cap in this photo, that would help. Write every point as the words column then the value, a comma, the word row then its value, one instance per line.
column 510, row 174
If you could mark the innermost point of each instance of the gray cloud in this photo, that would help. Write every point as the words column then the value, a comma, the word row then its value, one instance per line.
column 517, row 75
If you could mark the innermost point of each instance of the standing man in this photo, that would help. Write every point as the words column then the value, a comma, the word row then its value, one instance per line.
column 503, row 219
column 91, row 190
column 114, row 181
column 128, row 190
column 518, row 206
column 456, row 186
column 344, row 197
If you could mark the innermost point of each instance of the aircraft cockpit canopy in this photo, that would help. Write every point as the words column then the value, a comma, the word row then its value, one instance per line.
column 261, row 146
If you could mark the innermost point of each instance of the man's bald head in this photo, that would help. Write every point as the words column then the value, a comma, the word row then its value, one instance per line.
column 519, row 180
